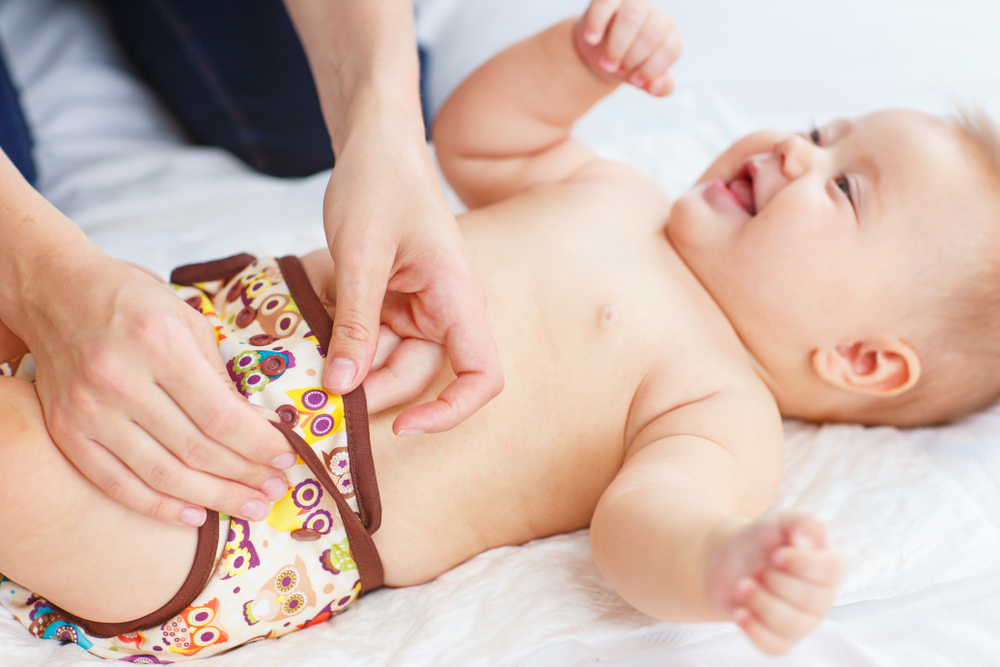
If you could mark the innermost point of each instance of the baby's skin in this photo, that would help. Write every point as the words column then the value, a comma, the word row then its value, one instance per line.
column 647, row 361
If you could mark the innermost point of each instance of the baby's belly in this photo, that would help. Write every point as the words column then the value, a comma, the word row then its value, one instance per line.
column 533, row 462
column 529, row 464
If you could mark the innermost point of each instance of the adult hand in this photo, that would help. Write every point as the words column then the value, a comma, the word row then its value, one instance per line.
column 136, row 396
column 389, row 228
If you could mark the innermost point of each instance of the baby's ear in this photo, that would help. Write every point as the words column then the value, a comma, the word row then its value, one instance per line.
column 885, row 366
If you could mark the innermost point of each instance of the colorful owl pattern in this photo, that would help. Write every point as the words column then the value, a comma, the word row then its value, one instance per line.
column 271, row 577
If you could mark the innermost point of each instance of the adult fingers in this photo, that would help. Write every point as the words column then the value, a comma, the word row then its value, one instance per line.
column 202, row 390
column 361, row 285
column 165, row 474
column 193, row 450
column 119, row 483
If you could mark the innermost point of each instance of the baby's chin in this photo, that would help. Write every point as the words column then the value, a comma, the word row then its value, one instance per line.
column 702, row 218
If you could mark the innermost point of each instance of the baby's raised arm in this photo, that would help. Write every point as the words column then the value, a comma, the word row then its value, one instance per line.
column 677, row 533
column 507, row 127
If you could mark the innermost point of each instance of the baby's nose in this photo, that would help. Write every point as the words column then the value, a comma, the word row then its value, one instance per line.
column 796, row 155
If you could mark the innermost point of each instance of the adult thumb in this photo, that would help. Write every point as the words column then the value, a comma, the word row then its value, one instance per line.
column 355, row 331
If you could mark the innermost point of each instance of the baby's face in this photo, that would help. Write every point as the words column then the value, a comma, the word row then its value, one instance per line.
column 812, row 239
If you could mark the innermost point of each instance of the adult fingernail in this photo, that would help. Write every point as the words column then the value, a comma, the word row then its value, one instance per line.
column 591, row 37
column 255, row 510
column 274, row 488
column 741, row 614
column 657, row 87
column 284, row 461
column 410, row 431
column 637, row 81
column 193, row 516
column 607, row 64
column 340, row 374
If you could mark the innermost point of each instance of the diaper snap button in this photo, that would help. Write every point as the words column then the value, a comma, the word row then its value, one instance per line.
column 273, row 366
column 288, row 415
column 234, row 291
column 246, row 317
column 260, row 340
column 305, row 535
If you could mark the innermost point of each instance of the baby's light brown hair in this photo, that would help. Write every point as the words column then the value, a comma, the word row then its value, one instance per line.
column 958, row 337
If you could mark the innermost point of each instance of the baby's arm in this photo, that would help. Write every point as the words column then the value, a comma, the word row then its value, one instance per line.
column 507, row 127
column 675, row 532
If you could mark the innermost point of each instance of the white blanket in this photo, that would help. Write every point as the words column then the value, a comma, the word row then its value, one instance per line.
column 910, row 509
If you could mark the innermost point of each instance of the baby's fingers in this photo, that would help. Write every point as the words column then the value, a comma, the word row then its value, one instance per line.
column 625, row 29
column 807, row 596
column 655, row 48
column 784, row 620
column 765, row 638
column 819, row 566
column 654, row 74
column 597, row 18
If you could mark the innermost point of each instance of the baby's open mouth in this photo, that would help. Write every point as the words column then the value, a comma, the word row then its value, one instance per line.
column 742, row 188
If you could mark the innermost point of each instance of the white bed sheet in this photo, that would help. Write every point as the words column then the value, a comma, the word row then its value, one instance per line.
column 917, row 512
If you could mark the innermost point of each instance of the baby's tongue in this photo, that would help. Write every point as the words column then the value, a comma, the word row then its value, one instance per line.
column 743, row 189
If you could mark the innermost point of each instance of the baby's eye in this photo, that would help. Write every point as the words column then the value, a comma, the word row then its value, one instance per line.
column 845, row 185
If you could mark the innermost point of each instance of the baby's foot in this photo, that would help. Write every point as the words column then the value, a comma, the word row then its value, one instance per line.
column 776, row 578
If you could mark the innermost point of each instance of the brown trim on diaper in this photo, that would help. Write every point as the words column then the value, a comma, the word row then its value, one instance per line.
column 305, row 297
column 359, row 448
column 361, row 543
column 219, row 269
column 197, row 579
column 359, row 452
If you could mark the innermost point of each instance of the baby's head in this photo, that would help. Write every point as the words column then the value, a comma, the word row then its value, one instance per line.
column 859, row 263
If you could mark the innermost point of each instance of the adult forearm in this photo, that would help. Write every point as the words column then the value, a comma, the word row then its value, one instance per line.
column 38, row 243
column 363, row 56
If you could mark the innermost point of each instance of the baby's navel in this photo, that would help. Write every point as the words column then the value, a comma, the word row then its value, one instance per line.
column 608, row 317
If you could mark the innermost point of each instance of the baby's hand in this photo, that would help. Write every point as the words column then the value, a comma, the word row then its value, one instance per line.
column 776, row 579
column 630, row 40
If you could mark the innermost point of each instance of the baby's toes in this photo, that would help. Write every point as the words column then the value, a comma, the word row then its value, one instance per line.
column 783, row 619
column 806, row 595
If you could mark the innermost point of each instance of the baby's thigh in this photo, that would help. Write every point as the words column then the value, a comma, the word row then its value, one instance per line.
column 68, row 542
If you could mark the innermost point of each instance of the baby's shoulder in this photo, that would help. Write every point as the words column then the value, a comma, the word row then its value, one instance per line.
column 704, row 383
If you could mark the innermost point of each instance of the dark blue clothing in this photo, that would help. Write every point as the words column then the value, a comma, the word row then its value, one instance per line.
column 15, row 137
column 232, row 71
column 234, row 74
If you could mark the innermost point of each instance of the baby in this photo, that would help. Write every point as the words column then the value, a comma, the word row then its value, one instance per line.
column 649, row 347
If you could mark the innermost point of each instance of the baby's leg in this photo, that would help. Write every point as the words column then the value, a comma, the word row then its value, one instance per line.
column 776, row 578
column 66, row 540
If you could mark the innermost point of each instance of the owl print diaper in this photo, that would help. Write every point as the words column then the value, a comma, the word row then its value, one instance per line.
column 313, row 555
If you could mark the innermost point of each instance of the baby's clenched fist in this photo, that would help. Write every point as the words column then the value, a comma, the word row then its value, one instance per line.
column 630, row 40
